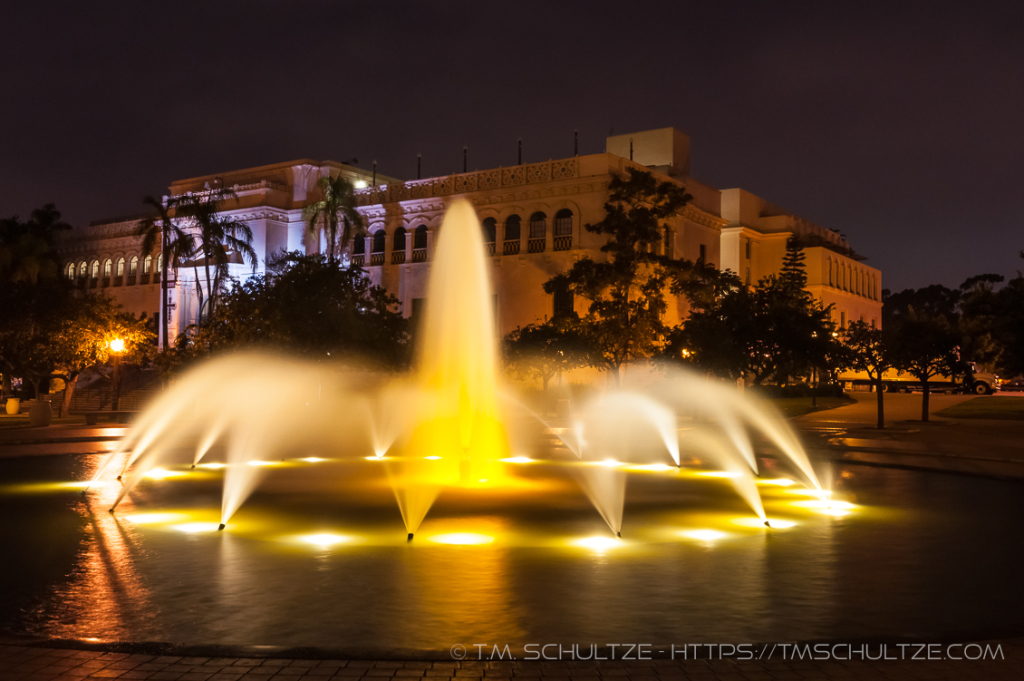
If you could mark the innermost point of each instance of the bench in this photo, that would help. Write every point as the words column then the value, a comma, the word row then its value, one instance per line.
column 121, row 416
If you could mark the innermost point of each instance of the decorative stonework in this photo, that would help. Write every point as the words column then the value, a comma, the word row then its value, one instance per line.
column 538, row 172
column 512, row 176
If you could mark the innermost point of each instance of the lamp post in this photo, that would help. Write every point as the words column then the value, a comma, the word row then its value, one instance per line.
column 116, row 348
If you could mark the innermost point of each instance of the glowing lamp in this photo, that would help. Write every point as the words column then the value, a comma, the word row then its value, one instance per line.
column 117, row 345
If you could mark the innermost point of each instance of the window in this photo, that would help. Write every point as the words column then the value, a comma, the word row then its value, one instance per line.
column 147, row 265
column 831, row 276
column 842, row 320
column 83, row 269
column 133, row 266
column 419, row 239
column 703, row 254
column 748, row 277
column 398, row 240
column 563, row 222
column 513, row 228
column 538, row 225
column 120, row 267
column 667, row 242
column 748, row 249
column 359, row 244
column 490, row 226
column 95, row 269
column 159, row 265
column 379, row 241
column 563, row 303
column 108, row 266
column 70, row 271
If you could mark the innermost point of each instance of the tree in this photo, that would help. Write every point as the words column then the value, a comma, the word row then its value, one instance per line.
column 793, row 275
column 175, row 248
column 28, row 250
column 218, row 239
column 544, row 350
column 772, row 332
column 627, row 293
column 868, row 352
column 337, row 203
column 925, row 345
column 306, row 306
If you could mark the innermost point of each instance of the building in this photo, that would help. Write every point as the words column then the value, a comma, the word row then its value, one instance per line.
column 532, row 215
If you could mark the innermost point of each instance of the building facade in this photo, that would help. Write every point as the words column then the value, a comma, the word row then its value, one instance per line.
column 533, row 218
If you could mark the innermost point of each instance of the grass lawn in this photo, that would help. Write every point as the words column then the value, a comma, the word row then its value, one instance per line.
column 993, row 407
column 798, row 406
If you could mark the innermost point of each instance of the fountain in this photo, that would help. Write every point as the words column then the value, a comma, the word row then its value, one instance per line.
column 447, row 425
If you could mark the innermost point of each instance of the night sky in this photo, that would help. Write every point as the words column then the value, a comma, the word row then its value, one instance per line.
column 900, row 125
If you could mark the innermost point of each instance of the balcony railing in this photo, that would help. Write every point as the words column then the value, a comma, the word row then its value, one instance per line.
column 144, row 279
column 510, row 248
column 358, row 259
column 118, row 281
column 131, row 280
column 419, row 255
column 106, row 282
column 535, row 246
column 490, row 248
column 563, row 243
column 397, row 257
column 93, row 283
column 376, row 258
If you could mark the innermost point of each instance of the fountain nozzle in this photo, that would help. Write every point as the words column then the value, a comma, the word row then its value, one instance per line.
column 221, row 527
column 193, row 467
column 110, row 511
column 119, row 478
column 409, row 538
column 619, row 535
column 766, row 524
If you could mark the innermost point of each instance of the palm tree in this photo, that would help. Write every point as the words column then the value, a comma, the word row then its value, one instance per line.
column 175, row 248
column 28, row 250
column 217, row 238
column 337, row 204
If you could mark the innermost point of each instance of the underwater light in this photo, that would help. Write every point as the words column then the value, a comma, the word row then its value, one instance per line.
column 653, row 467
column 757, row 523
column 162, row 474
column 717, row 474
column 195, row 528
column 517, row 459
column 462, row 539
column 775, row 482
column 324, row 539
column 153, row 518
column 312, row 459
column 213, row 466
column 597, row 543
column 432, row 458
column 704, row 535
column 263, row 463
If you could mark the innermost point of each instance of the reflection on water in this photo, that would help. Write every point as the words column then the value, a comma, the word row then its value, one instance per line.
column 915, row 554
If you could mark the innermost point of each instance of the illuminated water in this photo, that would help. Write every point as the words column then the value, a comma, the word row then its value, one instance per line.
column 920, row 555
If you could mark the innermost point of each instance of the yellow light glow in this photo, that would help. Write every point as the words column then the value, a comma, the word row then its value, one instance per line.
column 717, row 474
column 757, row 523
column 598, row 544
column 517, row 459
column 653, row 468
column 462, row 539
column 312, row 459
column 375, row 458
column 819, row 505
column 264, row 463
column 195, row 528
column 117, row 345
column 704, row 535
column 776, row 482
column 212, row 466
column 609, row 463
column 808, row 492
column 162, row 474
column 324, row 539
column 154, row 518
column 432, row 458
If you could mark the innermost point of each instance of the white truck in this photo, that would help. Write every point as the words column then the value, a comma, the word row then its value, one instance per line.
column 982, row 383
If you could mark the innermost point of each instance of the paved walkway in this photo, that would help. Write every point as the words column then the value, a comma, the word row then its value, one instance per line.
column 21, row 663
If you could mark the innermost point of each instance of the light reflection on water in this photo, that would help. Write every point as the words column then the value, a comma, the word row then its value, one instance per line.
column 304, row 564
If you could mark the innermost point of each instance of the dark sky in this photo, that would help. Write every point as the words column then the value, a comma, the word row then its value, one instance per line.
column 898, row 124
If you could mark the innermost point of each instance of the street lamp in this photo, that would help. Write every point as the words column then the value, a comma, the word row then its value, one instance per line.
column 116, row 348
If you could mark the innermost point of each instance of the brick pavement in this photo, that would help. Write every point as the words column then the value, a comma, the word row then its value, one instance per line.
column 31, row 663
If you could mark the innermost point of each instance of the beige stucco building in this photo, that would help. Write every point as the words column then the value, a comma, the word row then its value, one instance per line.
column 533, row 218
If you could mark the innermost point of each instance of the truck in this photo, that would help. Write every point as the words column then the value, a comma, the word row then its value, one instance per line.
column 893, row 381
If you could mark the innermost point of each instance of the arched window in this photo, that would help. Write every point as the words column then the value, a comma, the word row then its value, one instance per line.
column 120, row 267
column 133, row 265
column 70, row 271
column 95, row 269
column 398, row 242
column 538, row 225
column 83, row 269
column 108, row 266
column 831, row 276
column 563, row 222
column 379, row 241
column 147, row 265
column 419, row 237
column 490, row 226
column 513, row 227
column 159, row 265
column 359, row 244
